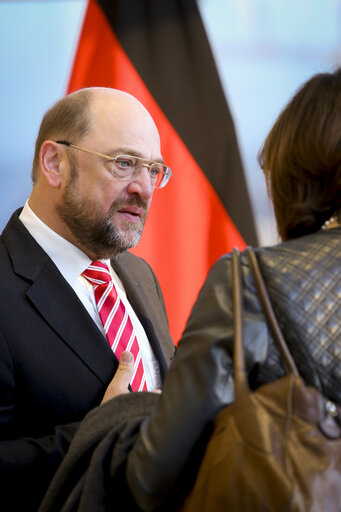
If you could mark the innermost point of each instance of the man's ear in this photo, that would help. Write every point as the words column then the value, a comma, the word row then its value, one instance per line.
column 50, row 159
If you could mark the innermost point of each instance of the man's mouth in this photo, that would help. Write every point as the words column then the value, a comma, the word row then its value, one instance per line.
column 131, row 213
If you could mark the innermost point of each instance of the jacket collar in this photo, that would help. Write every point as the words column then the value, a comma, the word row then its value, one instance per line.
column 55, row 300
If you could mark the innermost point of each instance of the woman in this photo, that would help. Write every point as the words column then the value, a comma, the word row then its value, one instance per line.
column 301, row 160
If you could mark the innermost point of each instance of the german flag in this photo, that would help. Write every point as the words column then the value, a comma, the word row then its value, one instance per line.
column 158, row 51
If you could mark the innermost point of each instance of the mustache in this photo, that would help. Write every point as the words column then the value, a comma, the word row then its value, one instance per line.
column 128, row 201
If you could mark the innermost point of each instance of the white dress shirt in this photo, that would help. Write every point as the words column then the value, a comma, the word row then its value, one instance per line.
column 71, row 262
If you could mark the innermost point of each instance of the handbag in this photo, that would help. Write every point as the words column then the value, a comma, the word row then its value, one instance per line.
column 274, row 449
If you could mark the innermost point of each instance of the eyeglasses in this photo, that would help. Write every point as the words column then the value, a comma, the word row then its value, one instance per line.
column 124, row 167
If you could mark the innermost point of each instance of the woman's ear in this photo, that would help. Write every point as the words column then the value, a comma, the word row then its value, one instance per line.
column 50, row 158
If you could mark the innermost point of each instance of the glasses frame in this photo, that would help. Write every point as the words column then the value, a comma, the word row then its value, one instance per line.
column 167, row 174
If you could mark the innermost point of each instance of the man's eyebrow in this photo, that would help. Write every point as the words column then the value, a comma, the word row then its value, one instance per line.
column 133, row 152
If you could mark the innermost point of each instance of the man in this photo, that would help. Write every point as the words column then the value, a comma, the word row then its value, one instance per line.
column 97, row 163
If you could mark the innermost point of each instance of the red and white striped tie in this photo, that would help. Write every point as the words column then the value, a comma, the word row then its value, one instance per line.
column 115, row 319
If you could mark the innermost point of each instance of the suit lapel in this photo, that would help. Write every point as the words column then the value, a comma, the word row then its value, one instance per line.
column 64, row 312
column 139, row 284
column 56, row 301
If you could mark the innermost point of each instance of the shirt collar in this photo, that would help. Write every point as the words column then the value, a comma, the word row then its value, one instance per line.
column 68, row 258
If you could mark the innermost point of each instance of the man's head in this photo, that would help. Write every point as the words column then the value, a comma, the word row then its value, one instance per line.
column 77, row 191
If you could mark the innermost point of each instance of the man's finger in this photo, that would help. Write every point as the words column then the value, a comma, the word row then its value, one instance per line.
column 126, row 364
column 122, row 378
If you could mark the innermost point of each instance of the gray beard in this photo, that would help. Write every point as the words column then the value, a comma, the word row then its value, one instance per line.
column 99, row 236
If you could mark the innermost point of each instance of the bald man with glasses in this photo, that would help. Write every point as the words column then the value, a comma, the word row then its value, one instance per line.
column 96, row 166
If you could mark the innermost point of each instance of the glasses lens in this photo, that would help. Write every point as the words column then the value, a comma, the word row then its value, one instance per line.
column 163, row 177
column 125, row 166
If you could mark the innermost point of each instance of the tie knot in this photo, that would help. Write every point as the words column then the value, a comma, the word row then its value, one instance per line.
column 97, row 273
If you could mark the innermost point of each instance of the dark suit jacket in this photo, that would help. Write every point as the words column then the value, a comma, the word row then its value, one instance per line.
column 54, row 362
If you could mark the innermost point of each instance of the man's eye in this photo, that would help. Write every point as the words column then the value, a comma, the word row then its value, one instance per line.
column 125, row 163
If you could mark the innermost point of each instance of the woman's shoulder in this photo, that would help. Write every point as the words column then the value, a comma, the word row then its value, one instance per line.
column 330, row 240
column 307, row 251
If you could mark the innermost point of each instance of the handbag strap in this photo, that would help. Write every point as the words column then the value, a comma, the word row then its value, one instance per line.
column 271, row 317
column 239, row 370
column 331, row 410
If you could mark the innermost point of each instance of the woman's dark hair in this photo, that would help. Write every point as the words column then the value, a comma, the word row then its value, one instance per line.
column 301, row 157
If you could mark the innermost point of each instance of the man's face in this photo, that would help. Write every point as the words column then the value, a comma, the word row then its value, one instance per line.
column 106, row 216
column 102, row 234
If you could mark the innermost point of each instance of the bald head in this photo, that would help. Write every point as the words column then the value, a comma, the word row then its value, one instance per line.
column 73, row 116
column 119, row 113
column 119, row 99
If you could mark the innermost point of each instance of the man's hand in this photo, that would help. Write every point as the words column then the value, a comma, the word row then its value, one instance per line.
column 122, row 377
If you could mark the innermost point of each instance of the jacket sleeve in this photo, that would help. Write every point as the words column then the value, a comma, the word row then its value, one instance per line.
column 197, row 386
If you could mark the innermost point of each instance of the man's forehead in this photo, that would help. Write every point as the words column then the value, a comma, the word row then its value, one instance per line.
column 113, row 100
column 121, row 120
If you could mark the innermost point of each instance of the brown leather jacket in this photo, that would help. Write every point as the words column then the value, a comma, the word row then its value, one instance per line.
column 303, row 278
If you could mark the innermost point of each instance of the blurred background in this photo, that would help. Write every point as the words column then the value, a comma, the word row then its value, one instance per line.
column 264, row 49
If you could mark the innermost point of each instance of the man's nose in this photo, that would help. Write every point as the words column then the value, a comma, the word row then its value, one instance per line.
column 142, row 184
